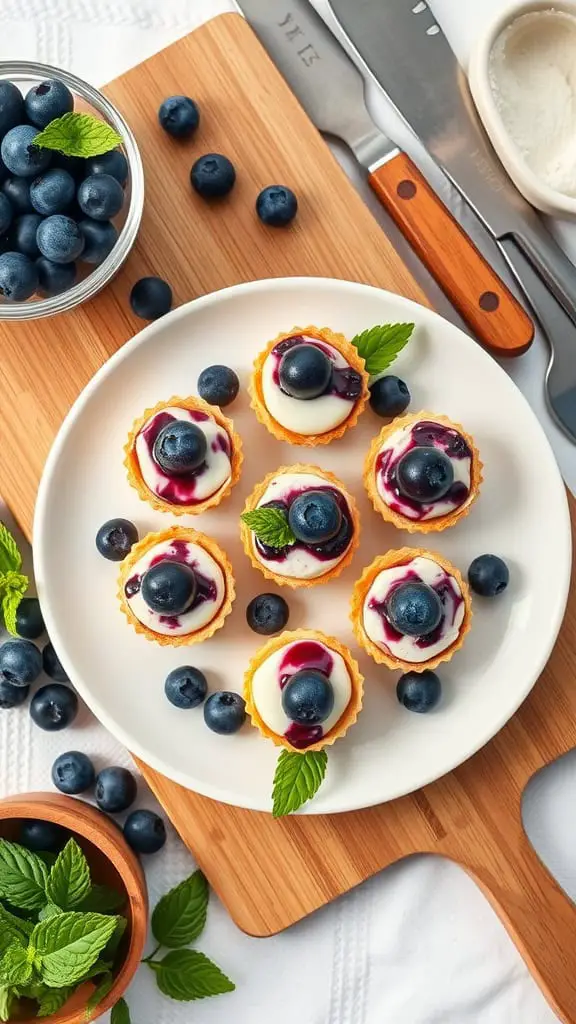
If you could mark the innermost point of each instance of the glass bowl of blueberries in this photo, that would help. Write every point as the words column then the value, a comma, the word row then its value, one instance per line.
column 67, row 222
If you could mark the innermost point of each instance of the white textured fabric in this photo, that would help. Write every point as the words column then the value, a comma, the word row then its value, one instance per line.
column 418, row 944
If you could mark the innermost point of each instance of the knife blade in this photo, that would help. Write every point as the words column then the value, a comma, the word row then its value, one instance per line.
column 407, row 53
column 331, row 90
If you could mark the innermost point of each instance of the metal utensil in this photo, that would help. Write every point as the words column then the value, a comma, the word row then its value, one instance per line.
column 331, row 89
column 410, row 57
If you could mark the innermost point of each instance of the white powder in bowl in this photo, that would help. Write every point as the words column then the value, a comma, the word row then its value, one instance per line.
column 533, row 78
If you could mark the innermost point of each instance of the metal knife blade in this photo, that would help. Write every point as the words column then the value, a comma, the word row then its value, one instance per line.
column 408, row 54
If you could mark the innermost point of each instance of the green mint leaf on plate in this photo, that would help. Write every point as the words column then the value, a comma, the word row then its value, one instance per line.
column 67, row 946
column 102, row 899
column 120, row 1013
column 78, row 134
column 13, row 586
column 180, row 916
column 380, row 345
column 99, row 993
column 23, row 877
column 10, row 557
column 6, row 1000
column 297, row 778
column 69, row 880
column 53, row 999
column 270, row 525
column 13, row 929
column 187, row 974
column 50, row 910
column 15, row 966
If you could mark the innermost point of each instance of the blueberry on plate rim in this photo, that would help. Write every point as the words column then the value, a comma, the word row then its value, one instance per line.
column 218, row 385
column 52, row 665
column 186, row 687
column 151, row 298
column 305, row 372
column 389, row 396
column 488, row 575
column 115, row 790
column 225, row 712
column 267, row 614
column 144, row 831
column 20, row 662
column 213, row 176
column 419, row 691
column 276, row 206
column 54, row 707
column 115, row 539
column 73, row 773
column 179, row 116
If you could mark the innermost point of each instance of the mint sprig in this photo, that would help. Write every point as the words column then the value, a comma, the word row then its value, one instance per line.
column 120, row 1013
column 13, row 583
column 66, row 947
column 180, row 916
column 69, row 879
column 23, row 877
column 77, row 134
column 271, row 526
column 187, row 974
column 378, row 346
column 297, row 779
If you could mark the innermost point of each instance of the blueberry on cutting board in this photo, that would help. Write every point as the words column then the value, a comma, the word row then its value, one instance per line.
column 179, row 116
column 151, row 298
column 276, row 206
column 213, row 176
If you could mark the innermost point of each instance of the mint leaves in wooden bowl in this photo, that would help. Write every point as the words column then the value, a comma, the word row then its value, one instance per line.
column 73, row 923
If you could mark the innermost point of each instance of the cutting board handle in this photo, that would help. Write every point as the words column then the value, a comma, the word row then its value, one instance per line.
column 539, row 916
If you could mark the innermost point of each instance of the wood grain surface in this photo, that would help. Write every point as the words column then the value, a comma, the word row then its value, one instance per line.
column 268, row 873
column 474, row 289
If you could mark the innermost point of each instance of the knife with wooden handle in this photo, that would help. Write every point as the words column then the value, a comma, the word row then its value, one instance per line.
column 331, row 90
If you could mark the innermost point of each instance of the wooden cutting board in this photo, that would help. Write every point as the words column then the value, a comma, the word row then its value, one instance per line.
column 270, row 873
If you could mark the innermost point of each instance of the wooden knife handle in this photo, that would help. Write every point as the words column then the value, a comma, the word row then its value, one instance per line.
column 481, row 298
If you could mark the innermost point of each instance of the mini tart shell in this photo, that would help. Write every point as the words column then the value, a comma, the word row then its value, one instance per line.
column 350, row 714
column 401, row 557
column 213, row 549
column 396, row 518
column 346, row 349
column 248, row 537
column 136, row 480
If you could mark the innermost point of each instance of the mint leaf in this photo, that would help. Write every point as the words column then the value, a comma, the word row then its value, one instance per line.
column 6, row 1000
column 120, row 1013
column 270, row 525
column 48, row 857
column 50, row 910
column 296, row 779
column 180, row 916
column 15, row 966
column 102, row 900
column 10, row 557
column 78, row 135
column 379, row 346
column 100, row 993
column 53, row 999
column 69, row 880
column 12, row 929
column 13, row 586
column 113, row 943
column 23, row 877
column 67, row 946
column 186, row 974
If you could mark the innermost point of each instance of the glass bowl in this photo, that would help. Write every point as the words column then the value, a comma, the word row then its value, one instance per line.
column 88, row 100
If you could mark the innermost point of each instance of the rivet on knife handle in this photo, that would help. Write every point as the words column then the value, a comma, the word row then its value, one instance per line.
column 476, row 292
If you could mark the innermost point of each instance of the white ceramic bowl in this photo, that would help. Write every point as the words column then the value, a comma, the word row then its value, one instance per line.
column 536, row 191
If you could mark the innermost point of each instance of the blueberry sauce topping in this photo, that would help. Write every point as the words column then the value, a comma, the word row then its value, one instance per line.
column 326, row 552
column 450, row 598
column 306, row 654
column 345, row 382
column 179, row 551
column 181, row 489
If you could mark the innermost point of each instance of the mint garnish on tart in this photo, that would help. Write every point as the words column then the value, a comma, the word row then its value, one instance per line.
column 271, row 526
column 380, row 345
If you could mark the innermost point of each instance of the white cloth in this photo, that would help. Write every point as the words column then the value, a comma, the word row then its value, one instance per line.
column 419, row 943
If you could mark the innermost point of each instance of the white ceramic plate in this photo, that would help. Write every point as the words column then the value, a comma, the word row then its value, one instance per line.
column 521, row 514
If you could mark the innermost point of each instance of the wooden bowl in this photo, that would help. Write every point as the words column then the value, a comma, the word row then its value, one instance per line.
column 112, row 862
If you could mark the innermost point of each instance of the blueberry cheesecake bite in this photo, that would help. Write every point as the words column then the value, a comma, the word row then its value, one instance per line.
column 411, row 609
column 183, row 456
column 176, row 587
column 303, row 690
column 423, row 473
column 300, row 526
column 309, row 386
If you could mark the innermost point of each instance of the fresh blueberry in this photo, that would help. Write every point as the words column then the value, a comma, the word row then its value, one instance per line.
column 414, row 609
column 218, row 385
column 41, row 836
column 315, row 517
column 6, row 213
column 169, row 588
column 419, row 691
column 115, row 790
column 100, row 237
column 151, row 297
column 12, row 696
column 276, row 206
column 52, row 665
column 389, row 396
column 308, row 697
column 180, row 448
column 145, row 832
column 75, row 165
column 52, row 191
column 54, row 278
column 47, row 101
column 20, row 155
column 115, row 539
column 73, row 773
column 225, row 712
column 100, row 196
column 304, row 372
column 114, row 163
column 23, row 234
column 60, row 239
column 20, row 662
column 11, row 107
column 17, row 191
column 424, row 474
column 29, row 621
column 488, row 575
column 179, row 116
column 267, row 614
column 186, row 687
column 213, row 176
column 18, row 277
column 54, row 707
